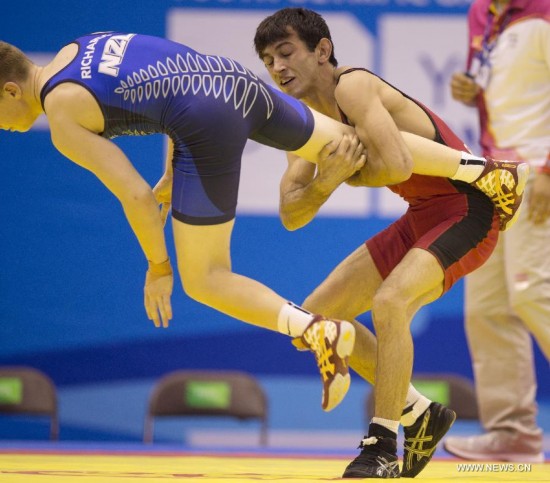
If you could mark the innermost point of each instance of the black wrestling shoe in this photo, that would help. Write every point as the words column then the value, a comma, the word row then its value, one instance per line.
column 378, row 459
column 422, row 437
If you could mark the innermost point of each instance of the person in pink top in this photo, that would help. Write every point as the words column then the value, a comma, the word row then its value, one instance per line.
column 508, row 298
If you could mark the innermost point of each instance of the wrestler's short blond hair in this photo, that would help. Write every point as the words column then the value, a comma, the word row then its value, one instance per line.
column 14, row 64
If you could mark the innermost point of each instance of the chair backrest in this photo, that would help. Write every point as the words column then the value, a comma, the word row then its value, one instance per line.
column 207, row 393
column 452, row 390
column 25, row 390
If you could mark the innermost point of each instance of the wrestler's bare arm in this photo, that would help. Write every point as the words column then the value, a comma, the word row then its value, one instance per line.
column 74, row 128
column 389, row 158
column 305, row 187
column 113, row 168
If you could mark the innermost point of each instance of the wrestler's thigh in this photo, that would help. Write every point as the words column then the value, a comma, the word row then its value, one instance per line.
column 201, row 249
column 347, row 292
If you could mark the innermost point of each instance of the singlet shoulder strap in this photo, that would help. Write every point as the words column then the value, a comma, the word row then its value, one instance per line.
column 353, row 69
column 343, row 116
column 54, row 80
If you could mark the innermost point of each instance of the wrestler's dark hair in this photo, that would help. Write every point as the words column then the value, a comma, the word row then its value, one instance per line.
column 14, row 64
column 309, row 26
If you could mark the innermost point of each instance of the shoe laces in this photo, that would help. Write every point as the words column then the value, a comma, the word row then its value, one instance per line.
column 374, row 460
column 492, row 184
column 367, row 441
column 371, row 453
column 315, row 337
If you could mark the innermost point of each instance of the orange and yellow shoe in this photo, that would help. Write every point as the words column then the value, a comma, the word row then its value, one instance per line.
column 504, row 182
column 331, row 341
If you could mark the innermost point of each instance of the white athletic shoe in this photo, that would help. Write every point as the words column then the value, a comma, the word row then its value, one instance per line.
column 496, row 446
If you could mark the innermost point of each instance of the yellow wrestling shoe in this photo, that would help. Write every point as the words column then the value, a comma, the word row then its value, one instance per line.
column 504, row 182
column 331, row 341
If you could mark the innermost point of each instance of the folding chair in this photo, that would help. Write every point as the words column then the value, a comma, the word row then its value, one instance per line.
column 207, row 393
column 25, row 390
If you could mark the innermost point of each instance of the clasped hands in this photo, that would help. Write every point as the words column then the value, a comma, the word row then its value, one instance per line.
column 339, row 161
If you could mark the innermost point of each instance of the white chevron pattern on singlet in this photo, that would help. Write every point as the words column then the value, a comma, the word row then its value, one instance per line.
column 194, row 74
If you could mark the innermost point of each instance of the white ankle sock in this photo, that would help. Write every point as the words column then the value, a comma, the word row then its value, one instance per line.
column 415, row 405
column 387, row 423
column 470, row 168
column 293, row 320
column 412, row 396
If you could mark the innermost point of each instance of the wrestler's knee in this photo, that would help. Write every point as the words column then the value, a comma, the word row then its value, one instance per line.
column 198, row 285
column 388, row 308
column 194, row 287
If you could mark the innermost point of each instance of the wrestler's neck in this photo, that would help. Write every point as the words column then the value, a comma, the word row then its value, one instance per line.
column 320, row 95
column 33, row 86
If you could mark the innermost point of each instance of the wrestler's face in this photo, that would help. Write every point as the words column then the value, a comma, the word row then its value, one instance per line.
column 15, row 113
column 292, row 66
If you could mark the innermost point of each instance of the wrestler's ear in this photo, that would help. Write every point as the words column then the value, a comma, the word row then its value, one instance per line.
column 324, row 50
column 11, row 89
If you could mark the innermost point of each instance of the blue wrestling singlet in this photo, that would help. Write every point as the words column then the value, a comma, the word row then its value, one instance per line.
column 209, row 106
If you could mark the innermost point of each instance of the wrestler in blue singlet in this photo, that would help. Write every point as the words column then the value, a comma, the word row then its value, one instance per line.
column 209, row 105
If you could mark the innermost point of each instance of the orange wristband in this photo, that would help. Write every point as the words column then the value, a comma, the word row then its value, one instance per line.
column 163, row 268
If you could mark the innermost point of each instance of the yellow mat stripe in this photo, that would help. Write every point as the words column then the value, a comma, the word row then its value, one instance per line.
column 86, row 468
